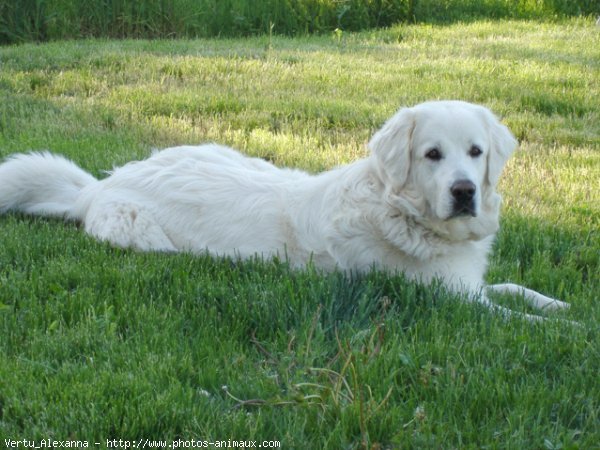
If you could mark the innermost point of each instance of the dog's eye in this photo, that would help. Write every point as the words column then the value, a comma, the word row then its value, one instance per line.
column 434, row 154
column 475, row 151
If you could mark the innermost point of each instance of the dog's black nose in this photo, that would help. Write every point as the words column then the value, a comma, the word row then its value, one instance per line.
column 463, row 190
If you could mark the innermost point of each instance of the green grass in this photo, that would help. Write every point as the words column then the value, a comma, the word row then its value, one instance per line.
column 98, row 343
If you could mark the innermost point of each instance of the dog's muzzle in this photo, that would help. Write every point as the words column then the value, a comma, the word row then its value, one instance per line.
column 463, row 195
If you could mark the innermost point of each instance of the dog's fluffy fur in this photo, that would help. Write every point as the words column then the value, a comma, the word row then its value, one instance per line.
column 424, row 202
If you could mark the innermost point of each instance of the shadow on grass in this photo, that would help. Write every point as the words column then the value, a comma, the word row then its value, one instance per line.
column 561, row 261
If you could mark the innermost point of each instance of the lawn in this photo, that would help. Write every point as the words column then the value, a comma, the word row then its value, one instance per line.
column 98, row 343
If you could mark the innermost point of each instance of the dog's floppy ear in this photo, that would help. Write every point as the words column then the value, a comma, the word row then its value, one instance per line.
column 502, row 144
column 390, row 147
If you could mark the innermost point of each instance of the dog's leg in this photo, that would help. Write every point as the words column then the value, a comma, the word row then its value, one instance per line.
column 534, row 298
column 507, row 313
column 126, row 224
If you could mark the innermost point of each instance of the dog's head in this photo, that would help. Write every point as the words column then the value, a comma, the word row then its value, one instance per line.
column 440, row 162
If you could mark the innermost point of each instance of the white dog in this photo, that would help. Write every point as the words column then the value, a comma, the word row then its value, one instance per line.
column 423, row 203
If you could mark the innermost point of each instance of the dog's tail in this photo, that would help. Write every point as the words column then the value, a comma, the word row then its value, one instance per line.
column 41, row 184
